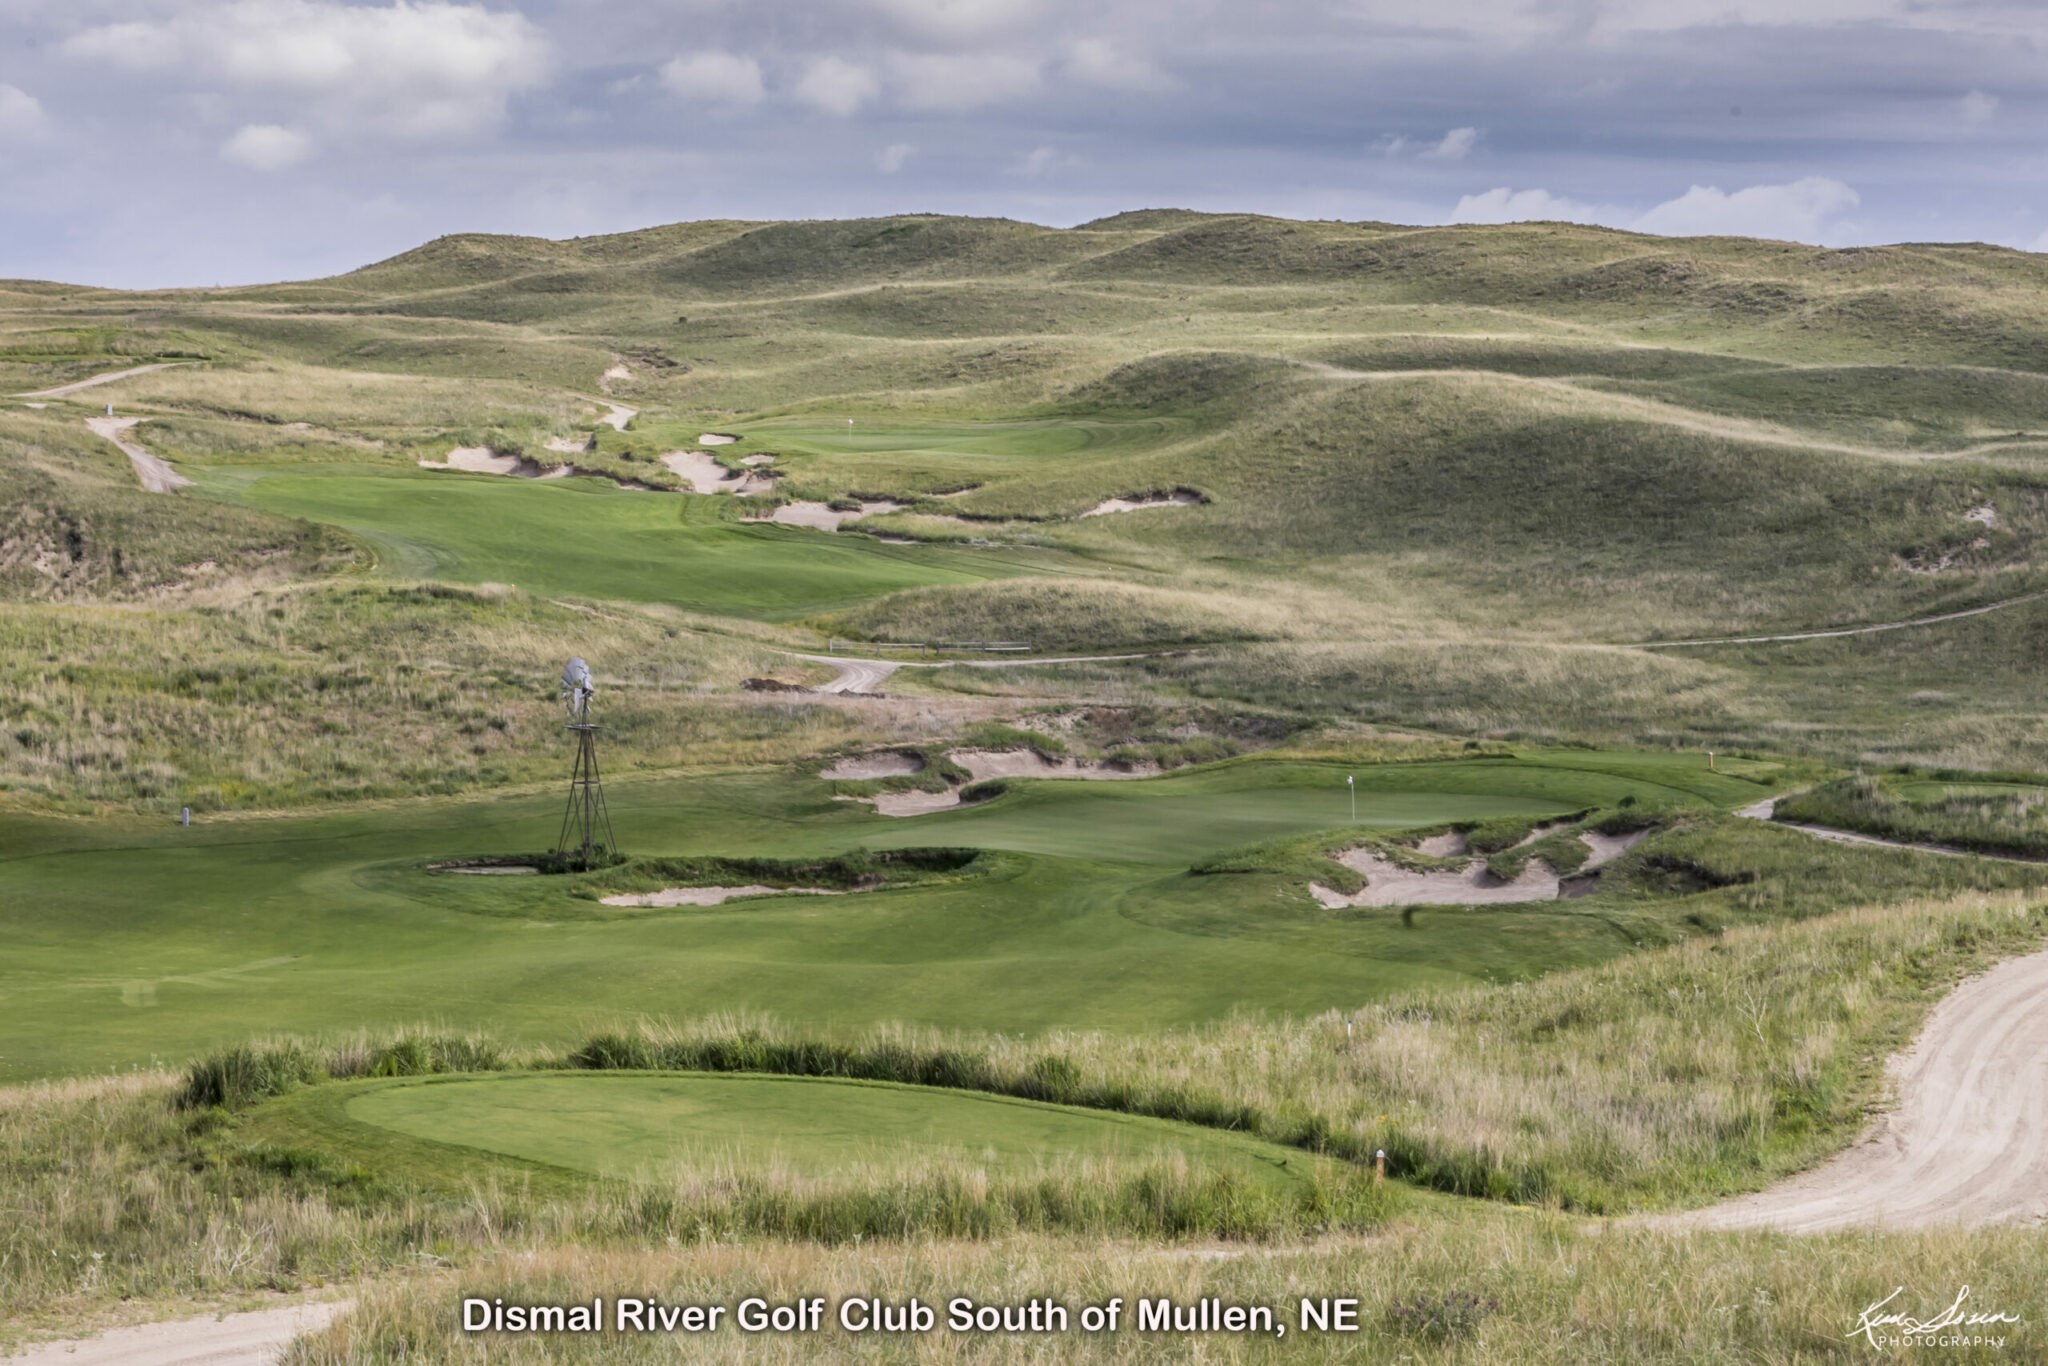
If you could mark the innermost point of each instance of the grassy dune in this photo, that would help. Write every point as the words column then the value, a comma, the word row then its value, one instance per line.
column 1561, row 434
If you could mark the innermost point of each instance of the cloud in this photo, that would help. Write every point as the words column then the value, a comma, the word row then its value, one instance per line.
column 836, row 86
column 415, row 68
column 1797, row 211
column 1096, row 61
column 936, row 81
column 21, row 114
column 1978, row 107
column 1504, row 205
column 721, row 77
column 1455, row 145
column 891, row 158
column 266, row 147
column 959, row 19
column 1041, row 161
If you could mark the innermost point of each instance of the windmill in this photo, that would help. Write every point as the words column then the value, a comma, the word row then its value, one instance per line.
column 586, row 825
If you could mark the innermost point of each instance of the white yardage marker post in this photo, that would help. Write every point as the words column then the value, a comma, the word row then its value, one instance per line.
column 1351, row 786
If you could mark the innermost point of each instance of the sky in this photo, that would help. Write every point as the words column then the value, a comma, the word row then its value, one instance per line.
column 201, row 142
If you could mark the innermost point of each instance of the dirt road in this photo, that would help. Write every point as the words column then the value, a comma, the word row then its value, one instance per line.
column 1843, row 630
column 1964, row 1143
column 255, row 1339
column 108, row 378
column 155, row 473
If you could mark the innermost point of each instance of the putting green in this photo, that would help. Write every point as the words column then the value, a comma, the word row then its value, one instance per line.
column 590, row 537
column 641, row 1125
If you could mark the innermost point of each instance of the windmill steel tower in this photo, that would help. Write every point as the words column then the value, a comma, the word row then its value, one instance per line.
column 587, row 824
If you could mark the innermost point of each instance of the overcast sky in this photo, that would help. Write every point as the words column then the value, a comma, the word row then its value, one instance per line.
column 174, row 142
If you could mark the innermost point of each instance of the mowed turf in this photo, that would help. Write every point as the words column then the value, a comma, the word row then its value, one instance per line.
column 591, row 538
column 130, row 941
column 653, row 1126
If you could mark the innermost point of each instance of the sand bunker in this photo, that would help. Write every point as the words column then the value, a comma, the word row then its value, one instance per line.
column 1389, row 884
column 823, row 517
column 1029, row 763
column 887, row 764
column 710, row 896
column 757, row 459
column 915, row 803
column 715, row 438
column 35, row 405
column 702, row 473
column 1181, row 498
column 476, row 460
column 1606, row 848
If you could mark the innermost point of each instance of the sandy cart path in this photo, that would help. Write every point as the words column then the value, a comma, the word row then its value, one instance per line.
column 108, row 378
column 1964, row 1144
column 154, row 471
column 254, row 1339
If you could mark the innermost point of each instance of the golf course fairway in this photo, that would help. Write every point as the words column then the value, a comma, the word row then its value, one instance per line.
column 648, row 1126
column 132, row 940
column 592, row 538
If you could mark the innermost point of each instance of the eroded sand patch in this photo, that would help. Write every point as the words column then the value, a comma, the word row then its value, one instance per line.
column 711, row 896
column 1985, row 516
column 1450, row 844
column 568, row 445
column 1389, row 884
column 1181, row 498
column 886, row 764
column 985, row 764
column 757, row 459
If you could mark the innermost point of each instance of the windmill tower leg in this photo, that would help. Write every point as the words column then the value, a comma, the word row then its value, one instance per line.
column 587, row 823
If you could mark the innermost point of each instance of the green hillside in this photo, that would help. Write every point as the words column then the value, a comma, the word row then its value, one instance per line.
column 1385, row 443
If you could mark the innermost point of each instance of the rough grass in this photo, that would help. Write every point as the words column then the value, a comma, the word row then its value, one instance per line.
column 1961, row 809
column 282, row 696
column 1562, row 1296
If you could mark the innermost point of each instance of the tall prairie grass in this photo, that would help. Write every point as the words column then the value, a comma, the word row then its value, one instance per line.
column 1549, row 1290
